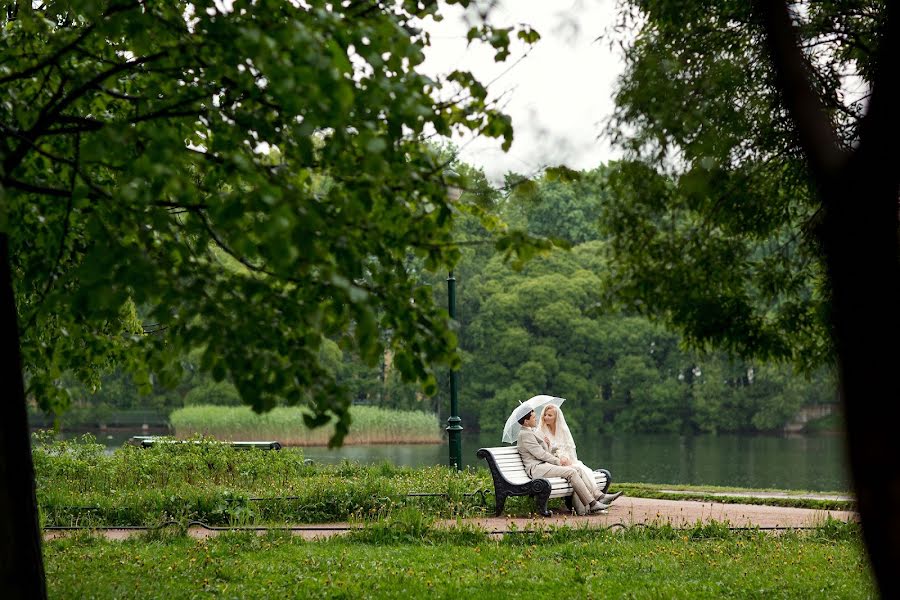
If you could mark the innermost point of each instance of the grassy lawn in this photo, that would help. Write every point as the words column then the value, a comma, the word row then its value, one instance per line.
column 708, row 562
column 708, row 493
column 79, row 484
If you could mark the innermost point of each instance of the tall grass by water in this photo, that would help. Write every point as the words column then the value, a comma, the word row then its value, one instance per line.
column 369, row 425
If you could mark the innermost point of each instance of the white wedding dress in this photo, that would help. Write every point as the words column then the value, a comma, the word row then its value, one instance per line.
column 562, row 444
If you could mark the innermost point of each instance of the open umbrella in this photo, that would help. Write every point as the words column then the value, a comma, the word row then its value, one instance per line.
column 512, row 427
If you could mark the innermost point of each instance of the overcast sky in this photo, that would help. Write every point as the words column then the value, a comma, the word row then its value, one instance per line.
column 559, row 95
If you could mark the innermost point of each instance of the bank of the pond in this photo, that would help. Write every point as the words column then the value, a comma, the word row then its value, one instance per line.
column 369, row 425
column 411, row 559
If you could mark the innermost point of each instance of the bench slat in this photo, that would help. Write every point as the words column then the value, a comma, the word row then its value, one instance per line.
column 508, row 462
column 503, row 450
column 516, row 474
column 502, row 460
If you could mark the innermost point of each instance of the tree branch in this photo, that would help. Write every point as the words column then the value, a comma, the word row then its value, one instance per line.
column 794, row 76
column 50, row 60
column 34, row 189
column 53, row 109
column 879, row 132
column 62, row 239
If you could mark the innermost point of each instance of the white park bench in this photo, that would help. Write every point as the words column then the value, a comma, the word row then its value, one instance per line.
column 510, row 479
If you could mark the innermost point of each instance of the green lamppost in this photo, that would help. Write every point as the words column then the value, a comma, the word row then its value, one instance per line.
column 454, row 423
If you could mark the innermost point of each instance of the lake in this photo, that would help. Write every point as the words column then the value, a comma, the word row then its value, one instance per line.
column 800, row 462
column 797, row 462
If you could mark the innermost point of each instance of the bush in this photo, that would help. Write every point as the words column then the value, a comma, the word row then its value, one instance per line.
column 213, row 393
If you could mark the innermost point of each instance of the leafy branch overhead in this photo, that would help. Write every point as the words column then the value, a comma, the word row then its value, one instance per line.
column 252, row 180
column 713, row 221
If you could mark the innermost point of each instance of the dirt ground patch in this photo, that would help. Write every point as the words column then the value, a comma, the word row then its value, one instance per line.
column 626, row 511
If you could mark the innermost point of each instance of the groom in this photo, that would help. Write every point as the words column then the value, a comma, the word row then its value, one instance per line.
column 540, row 463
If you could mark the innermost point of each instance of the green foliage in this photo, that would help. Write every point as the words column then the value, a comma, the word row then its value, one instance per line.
column 551, row 328
column 712, row 223
column 244, row 182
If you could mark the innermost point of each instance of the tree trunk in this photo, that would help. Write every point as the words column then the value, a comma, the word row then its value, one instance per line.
column 861, row 247
column 20, row 535
column 858, row 189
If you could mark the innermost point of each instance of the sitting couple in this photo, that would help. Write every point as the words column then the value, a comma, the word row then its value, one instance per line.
column 549, row 451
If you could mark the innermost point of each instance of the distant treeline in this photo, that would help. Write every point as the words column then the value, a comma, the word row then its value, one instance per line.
column 551, row 327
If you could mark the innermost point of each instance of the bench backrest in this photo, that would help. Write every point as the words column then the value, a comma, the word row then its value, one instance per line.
column 510, row 467
column 509, row 463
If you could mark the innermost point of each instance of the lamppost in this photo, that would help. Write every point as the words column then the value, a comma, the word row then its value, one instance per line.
column 454, row 423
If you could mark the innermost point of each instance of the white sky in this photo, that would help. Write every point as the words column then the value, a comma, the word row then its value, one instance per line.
column 559, row 95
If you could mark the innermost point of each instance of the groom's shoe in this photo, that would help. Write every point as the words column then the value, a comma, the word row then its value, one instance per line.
column 609, row 498
column 596, row 507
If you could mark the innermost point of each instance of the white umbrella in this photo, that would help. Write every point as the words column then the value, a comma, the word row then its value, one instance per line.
column 512, row 427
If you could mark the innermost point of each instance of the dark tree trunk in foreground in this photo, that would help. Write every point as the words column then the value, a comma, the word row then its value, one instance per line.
column 20, row 536
column 858, row 190
column 861, row 253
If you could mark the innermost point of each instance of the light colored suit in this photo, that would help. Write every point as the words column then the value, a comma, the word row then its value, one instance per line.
column 540, row 463
column 533, row 451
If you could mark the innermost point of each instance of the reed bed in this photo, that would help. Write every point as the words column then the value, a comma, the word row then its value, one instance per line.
column 369, row 425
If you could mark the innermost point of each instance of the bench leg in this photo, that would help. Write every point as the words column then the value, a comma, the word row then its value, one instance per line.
column 569, row 503
column 541, row 499
column 499, row 502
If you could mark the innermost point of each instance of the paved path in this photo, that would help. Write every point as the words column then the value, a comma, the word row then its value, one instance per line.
column 626, row 511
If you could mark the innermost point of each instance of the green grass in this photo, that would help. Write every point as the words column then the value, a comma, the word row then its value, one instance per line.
column 79, row 484
column 370, row 425
column 707, row 562
column 719, row 494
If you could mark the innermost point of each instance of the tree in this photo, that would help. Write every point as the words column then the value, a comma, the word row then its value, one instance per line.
column 553, row 326
column 253, row 175
column 777, row 186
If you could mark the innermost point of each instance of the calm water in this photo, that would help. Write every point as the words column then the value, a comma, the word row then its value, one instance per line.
column 794, row 462
column 797, row 462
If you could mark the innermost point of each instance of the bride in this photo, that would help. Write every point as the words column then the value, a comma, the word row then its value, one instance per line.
column 552, row 427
